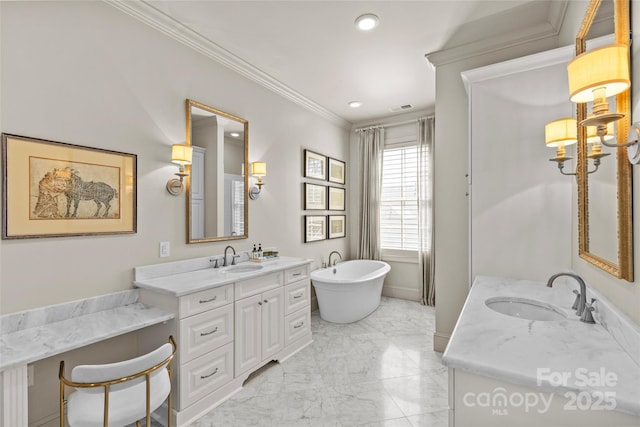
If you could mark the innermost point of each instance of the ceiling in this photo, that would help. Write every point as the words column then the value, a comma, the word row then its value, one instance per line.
column 313, row 51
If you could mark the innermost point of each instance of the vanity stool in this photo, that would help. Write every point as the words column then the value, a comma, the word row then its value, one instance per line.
column 118, row 394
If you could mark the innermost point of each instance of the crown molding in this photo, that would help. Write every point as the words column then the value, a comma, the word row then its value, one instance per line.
column 152, row 17
column 541, row 31
column 548, row 58
column 490, row 45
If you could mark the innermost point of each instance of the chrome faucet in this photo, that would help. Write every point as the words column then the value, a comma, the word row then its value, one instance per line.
column 233, row 260
column 581, row 300
column 334, row 252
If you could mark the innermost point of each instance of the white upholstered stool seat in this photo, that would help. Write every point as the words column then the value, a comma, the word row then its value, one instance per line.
column 134, row 388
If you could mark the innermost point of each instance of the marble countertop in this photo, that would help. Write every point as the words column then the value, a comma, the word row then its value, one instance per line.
column 44, row 332
column 170, row 278
column 533, row 353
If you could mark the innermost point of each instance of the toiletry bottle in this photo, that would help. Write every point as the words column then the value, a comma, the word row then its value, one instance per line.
column 259, row 250
column 254, row 252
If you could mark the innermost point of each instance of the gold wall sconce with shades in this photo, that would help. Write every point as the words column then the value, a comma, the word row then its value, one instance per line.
column 258, row 169
column 595, row 76
column 181, row 155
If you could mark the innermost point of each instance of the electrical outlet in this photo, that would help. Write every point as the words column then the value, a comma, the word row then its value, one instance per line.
column 30, row 376
column 165, row 249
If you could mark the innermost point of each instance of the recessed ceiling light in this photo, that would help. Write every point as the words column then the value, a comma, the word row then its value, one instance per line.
column 234, row 134
column 367, row 22
column 355, row 104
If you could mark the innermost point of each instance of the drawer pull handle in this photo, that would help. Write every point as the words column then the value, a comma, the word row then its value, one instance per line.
column 265, row 301
column 204, row 334
column 204, row 301
column 297, row 274
column 259, row 302
column 298, row 295
column 204, row 377
column 299, row 325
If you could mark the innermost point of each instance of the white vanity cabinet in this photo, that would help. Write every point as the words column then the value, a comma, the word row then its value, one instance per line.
column 259, row 321
column 227, row 326
column 204, row 332
column 297, row 296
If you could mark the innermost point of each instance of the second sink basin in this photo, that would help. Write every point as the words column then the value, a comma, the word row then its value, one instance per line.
column 524, row 308
column 243, row 268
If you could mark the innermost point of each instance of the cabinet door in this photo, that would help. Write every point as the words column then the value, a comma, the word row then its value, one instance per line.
column 272, row 322
column 248, row 340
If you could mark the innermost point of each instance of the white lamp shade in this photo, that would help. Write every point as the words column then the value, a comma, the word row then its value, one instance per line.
column 181, row 154
column 561, row 132
column 259, row 169
column 592, row 133
column 606, row 67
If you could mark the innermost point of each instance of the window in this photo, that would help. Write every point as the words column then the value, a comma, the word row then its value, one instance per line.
column 399, row 198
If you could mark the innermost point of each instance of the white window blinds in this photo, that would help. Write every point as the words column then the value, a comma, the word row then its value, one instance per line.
column 399, row 198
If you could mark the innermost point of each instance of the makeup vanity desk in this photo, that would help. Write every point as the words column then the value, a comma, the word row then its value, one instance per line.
column 32, row 335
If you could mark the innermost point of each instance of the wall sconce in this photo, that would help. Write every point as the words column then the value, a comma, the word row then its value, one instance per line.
column 560, row 133
column 182, row 155
column 258, row 169
column 596, row 75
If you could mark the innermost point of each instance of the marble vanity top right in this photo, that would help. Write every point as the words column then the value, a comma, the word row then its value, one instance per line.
column 536, row 353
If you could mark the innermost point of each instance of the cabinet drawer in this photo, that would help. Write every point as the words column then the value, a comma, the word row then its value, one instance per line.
column 206, row 331
column 205, row 374
column 297, row 325
column 258, row 285
column 297, row 273
column 297, row 296
column 205, row 300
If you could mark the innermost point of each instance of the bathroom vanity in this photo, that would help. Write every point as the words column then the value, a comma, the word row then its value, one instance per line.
column 229, row 322
column 509, row 369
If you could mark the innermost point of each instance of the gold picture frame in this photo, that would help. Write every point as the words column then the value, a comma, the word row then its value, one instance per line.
column 55, row 189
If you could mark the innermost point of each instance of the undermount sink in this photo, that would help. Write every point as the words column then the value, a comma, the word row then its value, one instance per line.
column 244, row 268
column 524, row 308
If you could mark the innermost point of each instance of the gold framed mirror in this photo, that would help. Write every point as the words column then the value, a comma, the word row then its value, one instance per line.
column 217, row 184
column 606, row 246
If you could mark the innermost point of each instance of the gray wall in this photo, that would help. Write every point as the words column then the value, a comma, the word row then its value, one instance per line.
column 85, row 73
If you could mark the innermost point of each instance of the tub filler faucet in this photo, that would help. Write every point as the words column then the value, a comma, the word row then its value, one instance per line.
column 331, row 254
column 582, row 308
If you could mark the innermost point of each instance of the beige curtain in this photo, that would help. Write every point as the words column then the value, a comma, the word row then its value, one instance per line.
column 426, row 255
column 370, row 147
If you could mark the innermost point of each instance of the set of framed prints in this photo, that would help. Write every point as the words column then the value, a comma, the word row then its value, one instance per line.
column 324, row 196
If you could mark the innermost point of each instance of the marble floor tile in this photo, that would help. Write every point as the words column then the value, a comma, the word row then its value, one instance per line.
column 380, row 371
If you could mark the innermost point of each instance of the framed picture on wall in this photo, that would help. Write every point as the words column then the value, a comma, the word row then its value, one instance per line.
column 337, row 226
column 336, row 198
column 315, row 228
column 315, row 165
column 53, row 189
column 336, row 171
column 315, row 197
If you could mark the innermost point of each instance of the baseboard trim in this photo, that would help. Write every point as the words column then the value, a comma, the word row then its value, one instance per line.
column 402, row 293
column 440, row 341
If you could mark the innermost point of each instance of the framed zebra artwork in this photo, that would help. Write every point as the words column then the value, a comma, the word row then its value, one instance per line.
column 54, row 189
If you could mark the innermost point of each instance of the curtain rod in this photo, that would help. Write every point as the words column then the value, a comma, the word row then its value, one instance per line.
column 394, row 124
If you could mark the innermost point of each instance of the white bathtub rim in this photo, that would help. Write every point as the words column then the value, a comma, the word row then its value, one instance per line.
column 324, row 275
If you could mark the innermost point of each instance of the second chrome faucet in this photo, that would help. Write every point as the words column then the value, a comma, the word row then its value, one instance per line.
column 582, row 308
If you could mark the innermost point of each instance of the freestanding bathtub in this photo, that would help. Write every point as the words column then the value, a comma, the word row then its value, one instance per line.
column 349, row 291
